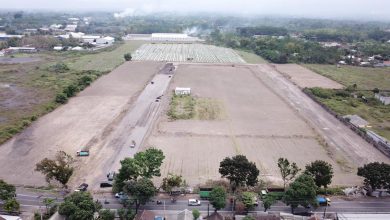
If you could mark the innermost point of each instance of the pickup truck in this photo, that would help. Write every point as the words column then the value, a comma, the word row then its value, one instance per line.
column 82, row 153
column 323, row 201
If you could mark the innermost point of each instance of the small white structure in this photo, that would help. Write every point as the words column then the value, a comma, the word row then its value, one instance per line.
column 58, row 48
column 77, row 48
column 90, row 38
column 182, row 91
column 2, row 53
column 10, row 217
column 384, row 98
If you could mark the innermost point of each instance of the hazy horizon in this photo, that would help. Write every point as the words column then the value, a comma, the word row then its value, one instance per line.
column 349, row 9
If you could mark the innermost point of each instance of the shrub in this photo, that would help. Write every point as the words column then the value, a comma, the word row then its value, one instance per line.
column 330, row 191
column 61, row 98
column 342, row 93
column 70, row 90
column 322, row 93
column 59, row 68
column 127, row 56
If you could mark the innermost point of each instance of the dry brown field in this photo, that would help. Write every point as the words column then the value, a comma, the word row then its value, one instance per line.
column 304, row 77
column 84, row 121
column 257, row 123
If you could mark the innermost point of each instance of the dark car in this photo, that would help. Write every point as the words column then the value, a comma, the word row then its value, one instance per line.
column 83, row 187
column 105, row 184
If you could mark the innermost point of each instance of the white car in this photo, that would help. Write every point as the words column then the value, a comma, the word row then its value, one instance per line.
column 193, row 202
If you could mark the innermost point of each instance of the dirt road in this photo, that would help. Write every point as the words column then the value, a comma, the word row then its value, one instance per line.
column 341, row 140
column 86, row 121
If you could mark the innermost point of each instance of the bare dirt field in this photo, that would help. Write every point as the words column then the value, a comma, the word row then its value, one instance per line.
column 84, row 121
column 306, row 78
column 258, row 123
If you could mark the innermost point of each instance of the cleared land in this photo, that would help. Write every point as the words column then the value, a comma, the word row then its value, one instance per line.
column 198, row 53
column 306, row 78
column 365, row 77
column 27, row 90
column 259, row 123
column 85, row 121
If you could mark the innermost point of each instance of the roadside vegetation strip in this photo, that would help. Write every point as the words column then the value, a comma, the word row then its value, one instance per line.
column 343, row 102
column 250, row 57
column 363, row 77
column 105, row 60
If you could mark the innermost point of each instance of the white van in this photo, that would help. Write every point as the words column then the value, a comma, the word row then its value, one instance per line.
column 193, row 202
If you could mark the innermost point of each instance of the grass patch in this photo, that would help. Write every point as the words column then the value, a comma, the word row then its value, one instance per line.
column 208, row 109
column 105, row 60
column 250, row 57
column 369, row 108
column 364, row 77
column 182, row 107
column 188, row 107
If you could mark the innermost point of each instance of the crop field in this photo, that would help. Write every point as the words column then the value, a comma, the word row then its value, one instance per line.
column 198, row 53
column 85, row 121
column 364, row 77
column 306, row 78
column 253, row 120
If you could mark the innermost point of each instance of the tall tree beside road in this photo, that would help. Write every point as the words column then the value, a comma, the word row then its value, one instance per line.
column 248, row 199
column 287, row 170
column 218, row 198
column 11, row 205
column 321, row 171
column 268, row 201
column 7, row 191
column 143, row 164
column 80, row 206
column 141, row 191
column 376, row 175
column 171, row 181
column 126, row 214
column 59, row 169
column 239, row 171
column 195, row 214
column 301, row 192
column 106, row 214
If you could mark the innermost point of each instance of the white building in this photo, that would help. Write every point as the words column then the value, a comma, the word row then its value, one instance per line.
column 58, row 48
column 90, row 38
column 182, row 91
column 71, row 27
column 77, row 48
column 384, row 98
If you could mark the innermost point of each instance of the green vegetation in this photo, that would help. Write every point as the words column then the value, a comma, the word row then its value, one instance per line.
column 288, row 171
column 376, row 175
column 195, row 214
column 79, row 205
column 218, row 198
column 188, row 107
column 343, row 102
column 321, row 171
column 59, row 169
column 127, row 56
column 365, row 78
column 171, row 181
column 7, row 196
column 301, row 192
column 182, row 107
column 250, row 57
column 105, row 60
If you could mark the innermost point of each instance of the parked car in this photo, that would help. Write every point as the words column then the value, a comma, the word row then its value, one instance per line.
column 132, row 145
column 193, row 202
column 323, row 201
column 105, row 184
column 111, row 176
column 83, row 187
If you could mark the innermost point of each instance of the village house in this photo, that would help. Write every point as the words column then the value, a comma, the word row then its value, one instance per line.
column 383, row 97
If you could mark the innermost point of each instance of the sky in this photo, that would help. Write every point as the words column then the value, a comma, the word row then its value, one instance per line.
column 352, row 9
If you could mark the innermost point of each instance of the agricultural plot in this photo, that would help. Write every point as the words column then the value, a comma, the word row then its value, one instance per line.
column 256, row 122
column 364, row 77
column 306, row 78
column 198, row 53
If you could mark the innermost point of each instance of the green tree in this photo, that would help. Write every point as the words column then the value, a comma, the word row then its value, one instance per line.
column 141, row 191
column 287, row 170
column 239, row 171
column 218, row 198
column 248, row 199
column 106, row 214
column 11, row 205
column 171, row 181
column 268, row 201
column 127, row 56
column 7, row 191
column 59, row 169
column 48, row 202
column 321, row 171
column 126, row 214
column 301, row 192
column 144, row 164
column 79, row 206
column 376, row 175
column 195, row 214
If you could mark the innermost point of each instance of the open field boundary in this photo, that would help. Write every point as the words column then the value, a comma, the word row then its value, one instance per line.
column 380, row 146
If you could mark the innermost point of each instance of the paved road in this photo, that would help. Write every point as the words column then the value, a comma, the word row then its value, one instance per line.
column 134, row 126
